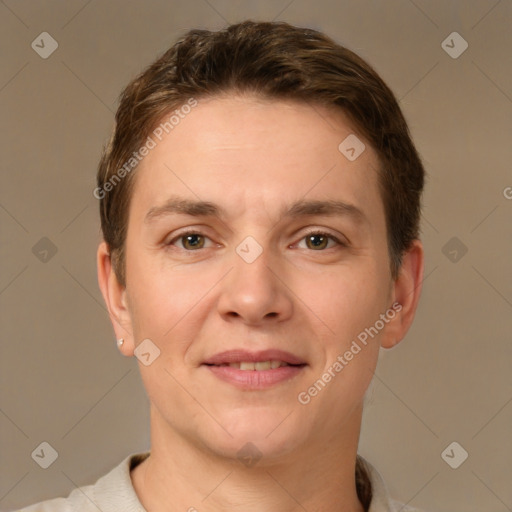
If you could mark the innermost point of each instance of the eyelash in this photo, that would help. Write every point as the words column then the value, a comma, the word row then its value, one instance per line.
column 310, row 233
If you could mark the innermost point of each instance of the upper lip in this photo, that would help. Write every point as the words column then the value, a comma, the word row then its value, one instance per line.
column 240, row 355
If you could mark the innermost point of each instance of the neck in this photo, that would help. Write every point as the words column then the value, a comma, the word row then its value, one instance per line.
column 181, row 475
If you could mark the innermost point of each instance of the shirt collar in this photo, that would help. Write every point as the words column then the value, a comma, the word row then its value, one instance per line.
column 114, row 491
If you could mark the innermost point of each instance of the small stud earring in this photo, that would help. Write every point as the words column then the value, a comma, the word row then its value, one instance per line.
column 120, row 342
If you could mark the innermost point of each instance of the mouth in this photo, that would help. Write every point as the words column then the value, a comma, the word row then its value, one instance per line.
column 257, row 366
column 255, row 370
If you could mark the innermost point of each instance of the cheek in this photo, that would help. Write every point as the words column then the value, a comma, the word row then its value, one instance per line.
column 346, row 300
column 165, row 297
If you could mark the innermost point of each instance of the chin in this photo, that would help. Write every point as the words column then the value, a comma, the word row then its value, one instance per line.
column 258, row 434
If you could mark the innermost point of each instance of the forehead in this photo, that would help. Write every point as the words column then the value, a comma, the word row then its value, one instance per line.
column 246, row 153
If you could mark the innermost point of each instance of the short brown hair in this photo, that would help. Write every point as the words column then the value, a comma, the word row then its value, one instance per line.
column 277, row 61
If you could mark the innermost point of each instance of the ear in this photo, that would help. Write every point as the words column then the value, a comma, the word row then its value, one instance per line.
column 406, row 292
column 114, row 295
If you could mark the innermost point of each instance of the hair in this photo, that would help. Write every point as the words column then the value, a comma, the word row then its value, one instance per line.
column 276, row 61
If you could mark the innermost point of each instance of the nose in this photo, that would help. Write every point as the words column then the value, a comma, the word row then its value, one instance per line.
column 255, row 292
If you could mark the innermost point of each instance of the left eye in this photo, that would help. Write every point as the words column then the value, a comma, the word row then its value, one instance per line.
column 319, row 240
column 190, row 240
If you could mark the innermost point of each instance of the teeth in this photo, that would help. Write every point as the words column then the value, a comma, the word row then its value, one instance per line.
column 260, row 365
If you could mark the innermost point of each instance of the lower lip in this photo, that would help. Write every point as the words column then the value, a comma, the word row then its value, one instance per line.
column 255, row 379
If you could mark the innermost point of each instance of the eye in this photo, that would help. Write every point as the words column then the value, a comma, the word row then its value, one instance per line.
column 319, row 240
column 190, row 240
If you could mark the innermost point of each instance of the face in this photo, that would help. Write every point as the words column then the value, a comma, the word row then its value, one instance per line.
column 254, row 294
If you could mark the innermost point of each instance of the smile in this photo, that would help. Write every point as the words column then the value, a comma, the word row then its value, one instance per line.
column 257, row 366
column 255, row 370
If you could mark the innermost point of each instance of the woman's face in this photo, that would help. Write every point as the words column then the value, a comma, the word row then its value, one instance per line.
column 241, row 280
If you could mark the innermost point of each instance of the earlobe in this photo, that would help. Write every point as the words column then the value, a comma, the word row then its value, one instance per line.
column 406, row 292
column 114, row 295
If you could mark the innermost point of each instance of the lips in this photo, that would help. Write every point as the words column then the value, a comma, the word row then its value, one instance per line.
column 255, row 370
column 243, row 359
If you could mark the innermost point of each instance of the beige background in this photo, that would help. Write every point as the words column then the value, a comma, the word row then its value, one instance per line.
column 62, row 378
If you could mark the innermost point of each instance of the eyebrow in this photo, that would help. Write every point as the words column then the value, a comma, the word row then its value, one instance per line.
column 177, row 205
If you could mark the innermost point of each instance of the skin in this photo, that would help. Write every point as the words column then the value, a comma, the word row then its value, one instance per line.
column 254, row 157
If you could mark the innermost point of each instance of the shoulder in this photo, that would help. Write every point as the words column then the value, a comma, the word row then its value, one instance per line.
column 381, row 500
column 77, row 500
column 400, row 507
column 113, row 491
